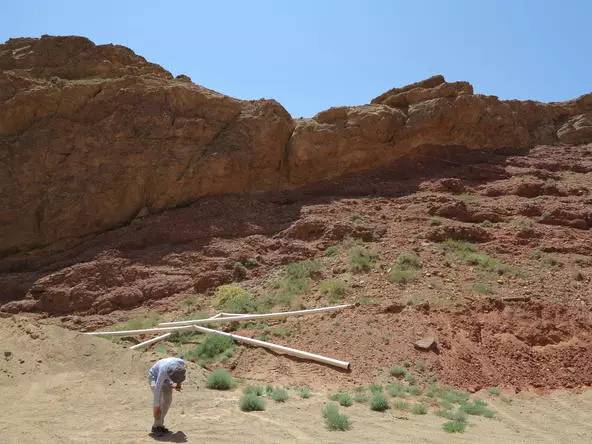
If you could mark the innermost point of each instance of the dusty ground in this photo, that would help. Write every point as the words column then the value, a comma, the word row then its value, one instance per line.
column 63, row 387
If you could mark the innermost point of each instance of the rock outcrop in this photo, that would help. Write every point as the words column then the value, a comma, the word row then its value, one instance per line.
column 92, row 136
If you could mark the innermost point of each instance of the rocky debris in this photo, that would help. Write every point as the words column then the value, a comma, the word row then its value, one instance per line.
column 470, row 233
column 93, row 136
column 426, row 344
column 447, row 184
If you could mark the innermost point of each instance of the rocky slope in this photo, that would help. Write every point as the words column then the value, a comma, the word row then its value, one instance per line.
column 93, row 136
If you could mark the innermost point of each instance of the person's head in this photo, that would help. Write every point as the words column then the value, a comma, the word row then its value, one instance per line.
column 177, row 373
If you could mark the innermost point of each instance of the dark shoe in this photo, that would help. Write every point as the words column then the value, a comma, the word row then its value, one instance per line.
column 160, row 430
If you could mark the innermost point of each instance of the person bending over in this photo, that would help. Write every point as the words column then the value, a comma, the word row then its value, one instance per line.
column 163, row 376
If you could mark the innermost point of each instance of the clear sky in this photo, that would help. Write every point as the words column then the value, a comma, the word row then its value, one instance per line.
column 310, row 55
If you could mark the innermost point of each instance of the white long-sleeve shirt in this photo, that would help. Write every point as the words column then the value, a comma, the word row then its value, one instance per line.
column 159, row 373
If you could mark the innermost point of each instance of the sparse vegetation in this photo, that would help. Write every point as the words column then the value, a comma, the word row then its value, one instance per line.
column 334, row 419
column 258, row 390
column 397, row 371
column 213, row 348
column 469, row 254
column 419, row 409
column 396, row 390
column 332, row 250
column 304, row 392
column 233, row 298
column 343, row 398
column 435, row 221
column 279, row 394
column 414, row 390
column 379, row 403
column 360, row 395
column 250, row 402
column 482, row 288
column 400, row 404
column 220, row 379
column 335, row 289
column 477, row 407
column 375, row 388
column 409, row 378
column 405, row 268
column 295, row 281
column 454, row 426
column 361, row 259
column 146, row 320
column 494, row 391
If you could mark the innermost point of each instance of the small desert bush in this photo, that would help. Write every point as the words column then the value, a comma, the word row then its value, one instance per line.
column 375, row 388
column 469, row 254
column 419, row 409
column 494, row 391
column 414, row 390
column 361, row 259
column 257, row 390
column 409, row 378
column 304, row 392
column 279, row 394
column 399, row 404
column 335, row 289
column 214, row 347
column 234, row 299
column 477, row 408
column 482, row 288
column 295, row 281
column 332, row 250
column 343, row 398
column 452, row 415
column 454, row 426
column 335, row 420
column 250, row 402
column 379, row 403
column 435, row 221
column 396, row 390
column 220, row 379
column 397, row 371
column 405, row 268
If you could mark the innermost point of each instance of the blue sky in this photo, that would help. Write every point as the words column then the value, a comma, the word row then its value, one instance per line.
column 310, row 55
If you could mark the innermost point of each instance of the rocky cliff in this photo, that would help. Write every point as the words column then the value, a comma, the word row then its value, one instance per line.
column 92, row 136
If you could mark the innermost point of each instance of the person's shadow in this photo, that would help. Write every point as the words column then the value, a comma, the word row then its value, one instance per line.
column 171, row 437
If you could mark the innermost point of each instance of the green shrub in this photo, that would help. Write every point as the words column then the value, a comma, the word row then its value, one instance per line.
column 419, row 409
column 477, row 408
column 279, row 394
column 343, row 398
column 482, row 288
column 452, row 415
column 250, row 402
column 332, row 250
column 360, row 397
column 295, row 281
column 397, row 371
column 454, row 426
column 469, row 254
column 234, row 299
column 435, row 221
column 220, row 379
column 494, row 391
column 379, row 403
column 361, row 259
column 335, row 289
column 399, row 404
column 414, row 390
column 303, row 269
column 146, row 320
column 405, row 268
column 452, row 395
column 375, row 388
column 335, row 420
column 268, row 389
column 396, row 390
column 409, row 378
column 304, row 392
column 258, row 390
column 214, row 347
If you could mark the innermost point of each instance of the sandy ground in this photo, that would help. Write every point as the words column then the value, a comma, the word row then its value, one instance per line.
column 60, row 387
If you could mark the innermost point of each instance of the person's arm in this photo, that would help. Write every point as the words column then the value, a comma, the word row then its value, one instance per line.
column 157, row 389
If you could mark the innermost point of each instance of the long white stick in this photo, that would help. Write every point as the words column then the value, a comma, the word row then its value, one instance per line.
column 148, row 330
column 150, row 341
column 279, row 348
column 250, row 317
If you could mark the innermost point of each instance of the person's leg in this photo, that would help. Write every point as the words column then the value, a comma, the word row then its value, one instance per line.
column 166, row 398
column 157, row 422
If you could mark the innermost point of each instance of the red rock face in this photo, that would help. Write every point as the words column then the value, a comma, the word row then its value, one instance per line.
column 91, row 136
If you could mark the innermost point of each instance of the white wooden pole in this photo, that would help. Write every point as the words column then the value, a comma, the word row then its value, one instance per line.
column 279, row 348
column 138, row 332
column 250, row 317
column 150, row 341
